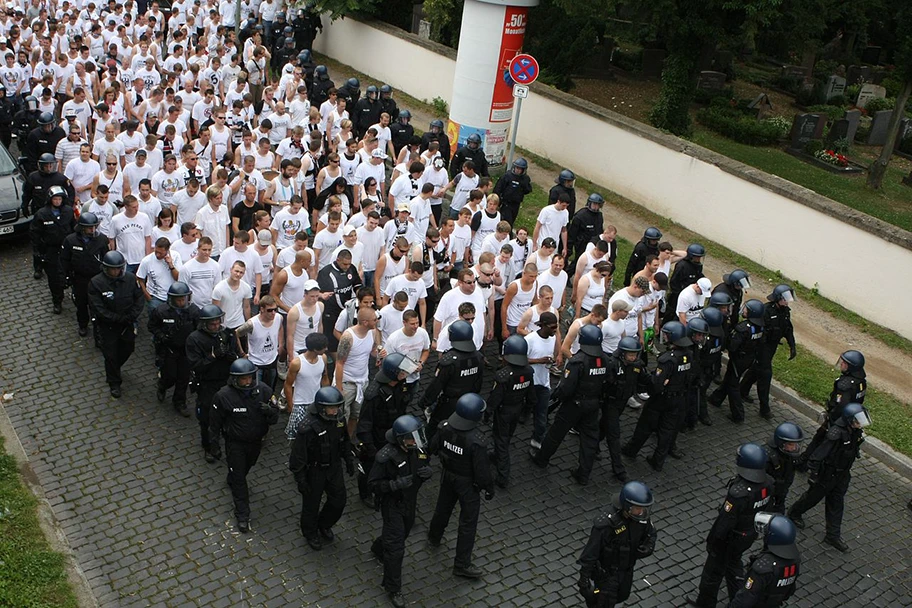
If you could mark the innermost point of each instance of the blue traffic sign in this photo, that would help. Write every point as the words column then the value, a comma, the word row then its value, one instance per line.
column 524, row 69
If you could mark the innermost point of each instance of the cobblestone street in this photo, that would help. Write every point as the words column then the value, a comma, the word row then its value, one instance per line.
column 151, row 522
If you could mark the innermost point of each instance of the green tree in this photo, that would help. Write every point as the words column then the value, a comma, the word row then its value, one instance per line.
column 340, row 8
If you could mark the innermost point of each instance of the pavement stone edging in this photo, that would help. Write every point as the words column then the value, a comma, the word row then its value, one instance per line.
column 50, row 525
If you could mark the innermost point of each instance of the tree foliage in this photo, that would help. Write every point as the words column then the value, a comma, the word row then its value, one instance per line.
column 340, row 8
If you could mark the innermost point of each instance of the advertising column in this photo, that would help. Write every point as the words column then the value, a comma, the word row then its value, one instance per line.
column 492, row 34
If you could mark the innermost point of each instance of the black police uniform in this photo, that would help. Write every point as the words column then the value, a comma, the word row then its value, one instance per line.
column 465, row 153
column 615, row 544
column 366, row 114
column 730, row 536
column 662, row 412
column 442, row 141
column 768, row 583
column 317, row 453
column 23, row 122
column 38, row 142
column 283, row 54
column 397, row 506
column 319, row 92
column 777, row 325
column 512, row 189
column 744, row 341
column 686, row 272
column 80, row 259
column 350, row 95
column 511, row 394
column 34, row 197
column 400, row 133
column 622, row 380
column 556, row 191
column 580, row 395
column 737, row 295
column 210, row 357
column 849, row 387
column 382, row 404
column 781, row 469
column 305, row 29
column 7, row 112
column 694, row 393
column 243, row 417
column 457, row 373
column 710, row 364
column 389, row 106
column 116, row 304
column 585, row 225
column 49, row 228
column 343, row 285
column 637, row 261
column 170, row 328
column 829, row 475
column 466, row 472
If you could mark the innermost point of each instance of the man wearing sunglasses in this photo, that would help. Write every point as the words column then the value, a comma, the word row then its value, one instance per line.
column 265, row 340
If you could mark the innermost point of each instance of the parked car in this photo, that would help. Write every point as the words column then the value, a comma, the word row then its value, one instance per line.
column 12, row 222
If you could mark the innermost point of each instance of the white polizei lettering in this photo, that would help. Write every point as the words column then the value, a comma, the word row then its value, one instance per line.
column 239, row 410
column 598, row 371
column 761, row 503
column 453, row 448
column 684, row 367
column 784, row 582
column 468, row 372
column 522, row 385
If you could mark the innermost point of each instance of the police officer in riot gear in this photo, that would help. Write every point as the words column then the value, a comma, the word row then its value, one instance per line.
column 211, row 350
column 733, row 531
column 829, row 473
column 350, row 91
column 171, row 324
column 277, row 31
column 619, row 537
column 585, row 225
column 733, row 284
column 580, row 396
column 35, row 195
column 7, row 111
column 80, row 259
column 284, row 53
column 367, row 110
column 48, row 230
column 781, row 452
column 511, row 394
column 402, row 131
column 43, row 139
column 698, row 332
column 305, row 60
column 686, row 272
column 745, row 340
column 459, row 371
column 512, row 188
column 306, row 24
column 319, row 92
column 648, row 245
column 385, row 399
column 777, row 325
column 401, row 466
column 242, row 412
column 320, row 446
column 24, row 121
column 771, row 574
column 849, row 387
column 563, row 184
column 387, row 103
column 710, row 359
column 626, row 376
column 435, row 133
column 667, row 397
column 466, row 472
column 116, row 301
column 472, row 151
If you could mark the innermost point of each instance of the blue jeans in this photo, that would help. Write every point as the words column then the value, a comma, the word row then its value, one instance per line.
column 454, row 214
column 540, row 415
column 368, row 280
column 153, row 304
column 132, row 268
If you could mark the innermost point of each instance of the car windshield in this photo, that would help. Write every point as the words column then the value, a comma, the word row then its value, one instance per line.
column 7, row 164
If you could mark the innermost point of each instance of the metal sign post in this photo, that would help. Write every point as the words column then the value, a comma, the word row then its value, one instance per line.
column 524, row 71
column 520, row 92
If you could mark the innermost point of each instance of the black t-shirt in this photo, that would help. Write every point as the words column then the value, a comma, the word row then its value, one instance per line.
column 245, row 214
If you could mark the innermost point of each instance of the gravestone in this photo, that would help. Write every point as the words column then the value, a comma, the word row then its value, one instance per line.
column 858, row 73
column 839, row 130
column 711, row 81
column 652, row 64
column 869, row 92
column 853, row 116
column 803, row 129
column 871, row 55
column 836, row 86
column 761, row 105
column 879, row 128
column 821, row 123
column 424, row 30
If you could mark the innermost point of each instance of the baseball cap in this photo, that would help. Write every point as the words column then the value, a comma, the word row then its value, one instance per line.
column 705, row 286
column 310, row 285
column 378, row 153
column 264, row 236
column 620, row 305
column 349, row 230
column 142, row 152
column 403, row 207
column 662, row 279
column 70, row 113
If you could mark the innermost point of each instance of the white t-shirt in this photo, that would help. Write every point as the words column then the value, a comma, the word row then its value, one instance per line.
column 464, row 185
column 557, row 283
column 187, row 251
column 212, row 224
column 252, row 262
column 327, row 242
column 421, row 214
column 187, row 206
column 105, row 214
column 156, row 274
column 411, row 347
column 151, row 207
column 130, row 235
column 690, row 303
column 612, row 332
column 201, row 278
column 448, row 311
column 103, row 147
column 81, row 174
column 460, row 238
column 630, row 323
column 390, row 322
column 538, row 348
column 552, row 222
column 231, row 301
column 288, row 224
column 416, row 290
column 166, row 184
column 136, row 174
column 357, row 252
column 373, row 245
column 366, row 170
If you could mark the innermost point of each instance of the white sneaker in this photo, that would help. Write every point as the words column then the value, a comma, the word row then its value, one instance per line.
column 535, row 444
column 643, row 396
column 633, row 404
column 427, row 413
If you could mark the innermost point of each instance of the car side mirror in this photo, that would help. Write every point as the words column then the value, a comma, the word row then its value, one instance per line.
column 23, row 163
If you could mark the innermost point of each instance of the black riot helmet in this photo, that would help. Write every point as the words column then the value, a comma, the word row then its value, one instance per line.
column 787, row 437
column 461, row 334
column 393, row 365
column 737, row 279
column 782, row 292
column 386, row 91
column 675, row 333
column 408, row 433
column 590, row 339
column 321, row 72
column 751, row 462
column 177, row 291
column 516, row 350
column 854, row 360
column 695, row 250
column 714, row 320
column 304, row 57
column 242, row 374
column 779, row 534
column 210, row 319
column 113, row 264
column 522, row 164
column 721, row 300
column 566, row 175
column 595, row 199
column 328, row 402
column 469, row 410
column 87, row 220
column 56, row 192
column 856, row 412
column 353, row 83
column 652, row 234
column 697, row 329
column 473, row 141
column 31, row 103
column 405, row 115
column 753, row 312
column 635, row 500
column 631, row 348
column 47, row 161
column 371, row 92
column 45, row 118
column 436, row 124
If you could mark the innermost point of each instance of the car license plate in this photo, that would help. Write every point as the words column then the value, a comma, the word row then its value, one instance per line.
column 6, row 229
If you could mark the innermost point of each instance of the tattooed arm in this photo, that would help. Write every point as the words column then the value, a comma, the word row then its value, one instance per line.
column 345, row 345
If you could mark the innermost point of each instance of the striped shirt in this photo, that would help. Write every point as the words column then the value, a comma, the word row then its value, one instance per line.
column 67, row 150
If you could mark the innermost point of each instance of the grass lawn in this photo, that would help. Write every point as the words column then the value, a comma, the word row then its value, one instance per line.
column 31, row 574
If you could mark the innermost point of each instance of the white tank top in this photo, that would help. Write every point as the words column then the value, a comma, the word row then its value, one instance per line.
column 574, row 348
column 520, row 303
column 595, row 294
column 393, row 269
column 310, row 176
column 251, row 151
column 294, row 287
column 267, row 258
column 487, row 226
column 115, row 185
column 307, row 324
column 329, row 179
column 533, row 326
column 307, row 382
column 348, row 168
column 263, row 342
column 357, row 363
column 282, row 193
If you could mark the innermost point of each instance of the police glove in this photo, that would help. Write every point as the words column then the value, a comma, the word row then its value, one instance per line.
column 792, row 353
column 350, row 467
column 425, row 473
column 401, row 483
column 586, row 588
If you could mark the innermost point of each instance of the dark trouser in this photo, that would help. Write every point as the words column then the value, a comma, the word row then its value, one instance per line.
column 117, row 343
column 662, row 415
column 430, row 303
column 437, row 211
column 723, row 561
column 51, row 267
column 509, row 211
column 610, row 431
column 818, row 438
column 6, row 136
column 205, row 392
column 81, row 299
column 364, row 490
column 498, row 323
column 175, row 371
column 240, row 456
column 834, row 491
column 442, row 410
column 583, row 416
column 729, row 388
column 693, row 398
column 613, row 587
column 455, row 488
column 321, row 481
column 398, row 519
column 540, row 415
column 505, row 419
column 760, row 372
column 267, row 374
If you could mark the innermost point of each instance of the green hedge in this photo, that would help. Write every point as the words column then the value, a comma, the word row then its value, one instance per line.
column 740, row 127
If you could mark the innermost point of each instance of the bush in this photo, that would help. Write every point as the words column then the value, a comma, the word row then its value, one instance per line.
column 629, row 61
column 851, row 93
column 832, row 112
column 892, row 85
column 440, row 107
column 742, row 128
column 813, row 147
column 838, row 100
column 878, row 104
column 705, row 96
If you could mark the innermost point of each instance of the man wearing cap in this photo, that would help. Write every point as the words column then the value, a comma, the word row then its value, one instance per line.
column 375, row 168
column 690, row 301
column 350, row 243
column 633, row 296
column 68, row 148
column 401, row 225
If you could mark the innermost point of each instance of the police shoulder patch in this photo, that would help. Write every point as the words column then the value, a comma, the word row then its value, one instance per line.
column 728, row 506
